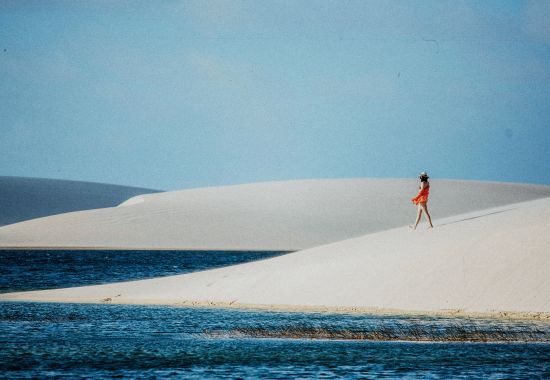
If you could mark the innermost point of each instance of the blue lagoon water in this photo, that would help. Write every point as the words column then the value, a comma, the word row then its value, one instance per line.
column 120, row 341
column 47, row 269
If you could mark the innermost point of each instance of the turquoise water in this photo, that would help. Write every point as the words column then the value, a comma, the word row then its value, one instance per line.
column 116, row 341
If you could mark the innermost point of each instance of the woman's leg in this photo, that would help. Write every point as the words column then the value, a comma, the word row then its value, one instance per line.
column 418, row 215
column 425, row 208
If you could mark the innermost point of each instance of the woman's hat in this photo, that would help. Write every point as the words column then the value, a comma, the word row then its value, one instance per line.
column 424, row 174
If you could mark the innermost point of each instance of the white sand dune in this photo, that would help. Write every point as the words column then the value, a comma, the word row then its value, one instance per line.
column 24, row 198
column 490, row 261
column 287, row 215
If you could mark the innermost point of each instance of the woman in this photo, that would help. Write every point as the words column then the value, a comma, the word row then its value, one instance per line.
column 421, row 200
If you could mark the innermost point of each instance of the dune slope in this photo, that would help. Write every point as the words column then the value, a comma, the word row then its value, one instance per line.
column 491, row 261
column 287, row 215
column 23, row 198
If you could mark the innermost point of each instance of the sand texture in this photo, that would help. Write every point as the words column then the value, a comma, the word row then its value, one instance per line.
column 289, row 215
column 494, row 261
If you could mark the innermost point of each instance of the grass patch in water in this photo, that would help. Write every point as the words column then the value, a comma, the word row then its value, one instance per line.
column 414, row 333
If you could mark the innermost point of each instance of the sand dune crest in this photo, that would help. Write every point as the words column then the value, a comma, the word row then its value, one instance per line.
column 288, row 215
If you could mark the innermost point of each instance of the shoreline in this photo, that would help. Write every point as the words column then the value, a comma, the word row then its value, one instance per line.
column 356, row 310
column 100, row 248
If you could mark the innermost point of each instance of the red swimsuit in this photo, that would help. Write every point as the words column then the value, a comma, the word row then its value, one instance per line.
column 422, row 196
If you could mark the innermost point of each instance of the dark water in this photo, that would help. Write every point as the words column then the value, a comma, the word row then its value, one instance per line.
column 38, row 340
column 46, row 269
column 114, row 341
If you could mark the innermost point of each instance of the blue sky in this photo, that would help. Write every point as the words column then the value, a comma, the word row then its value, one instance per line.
column 174, row 95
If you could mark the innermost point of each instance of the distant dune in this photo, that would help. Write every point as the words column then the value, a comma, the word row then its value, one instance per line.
column 287, row 215
column 493, row 261
column 23, row 198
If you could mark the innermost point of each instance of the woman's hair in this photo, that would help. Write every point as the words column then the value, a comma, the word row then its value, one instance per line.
column 423, row 179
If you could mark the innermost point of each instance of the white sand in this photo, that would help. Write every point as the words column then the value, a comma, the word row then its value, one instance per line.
column 287, row 215
column 491, row 261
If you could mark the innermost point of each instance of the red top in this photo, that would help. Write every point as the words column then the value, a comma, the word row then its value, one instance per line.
column 422, row 196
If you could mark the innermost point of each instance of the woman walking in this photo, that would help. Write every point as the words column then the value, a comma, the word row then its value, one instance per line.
column 421, row 200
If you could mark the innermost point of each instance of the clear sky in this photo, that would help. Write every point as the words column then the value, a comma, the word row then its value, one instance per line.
column 179, row 94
